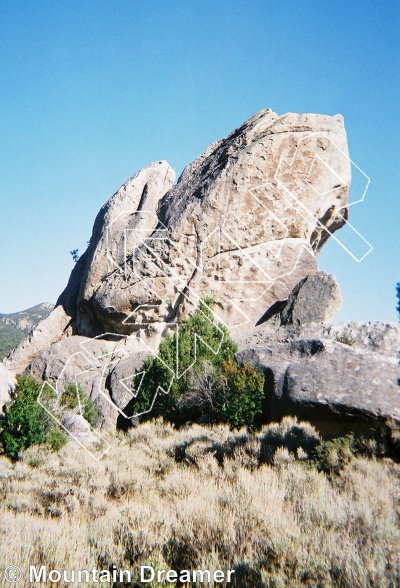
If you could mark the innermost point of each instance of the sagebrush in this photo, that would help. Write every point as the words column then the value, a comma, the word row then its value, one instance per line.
column 206, row 497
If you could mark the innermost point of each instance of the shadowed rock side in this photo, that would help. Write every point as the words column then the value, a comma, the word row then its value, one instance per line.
column 315, row 299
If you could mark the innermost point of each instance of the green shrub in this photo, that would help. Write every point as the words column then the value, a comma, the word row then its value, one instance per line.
column 232, row 394
column 332, row 456
column 56, row 438
column 237, row 391
column 70, row 400
column 25, row 422
column 345, row 339
column 244, row 394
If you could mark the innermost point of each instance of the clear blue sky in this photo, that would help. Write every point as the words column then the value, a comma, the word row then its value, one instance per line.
column 93, row 90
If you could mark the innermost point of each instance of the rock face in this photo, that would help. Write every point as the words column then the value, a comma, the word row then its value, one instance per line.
column 103, row 368
column 242, row 225
column 128, row 218
column 7, row 384
column 341, row 378
column 74, row 314
column 315, row 299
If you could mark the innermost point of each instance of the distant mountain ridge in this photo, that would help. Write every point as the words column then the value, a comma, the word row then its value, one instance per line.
column 14, row 327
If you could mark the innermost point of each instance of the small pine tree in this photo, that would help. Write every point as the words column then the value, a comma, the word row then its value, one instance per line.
column 199, row 338
column 25, row 422
column 75, row 255
column 202, row 340
column 398, row 298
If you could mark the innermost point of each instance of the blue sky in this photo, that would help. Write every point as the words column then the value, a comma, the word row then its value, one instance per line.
column 93, row 90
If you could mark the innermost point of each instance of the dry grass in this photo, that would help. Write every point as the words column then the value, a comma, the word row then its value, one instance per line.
column 203, row 498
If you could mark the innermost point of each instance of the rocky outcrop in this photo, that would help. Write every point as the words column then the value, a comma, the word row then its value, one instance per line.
column 128, row 218
column 7, row 385
column 131, row 209
column 341, row 378
column 102, row 367
column 242, row 225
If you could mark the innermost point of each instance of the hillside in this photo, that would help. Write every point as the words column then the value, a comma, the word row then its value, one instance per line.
column 15, row 326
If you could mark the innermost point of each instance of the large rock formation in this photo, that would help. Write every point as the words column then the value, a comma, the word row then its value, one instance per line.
column 341, row 378
column 243, row 224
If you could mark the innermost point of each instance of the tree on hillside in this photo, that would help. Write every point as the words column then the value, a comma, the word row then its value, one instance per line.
column 398, row 297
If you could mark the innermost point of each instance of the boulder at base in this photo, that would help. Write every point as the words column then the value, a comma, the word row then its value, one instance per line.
column 341, row 378
column 315, row 299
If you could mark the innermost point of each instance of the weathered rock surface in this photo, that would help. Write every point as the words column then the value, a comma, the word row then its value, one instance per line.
column 241, row 225
column 132, row 208
column 103, row 368
column 123, row 222
column 315, row 299
column 373, row 337
column 78, row 427
column 343, row 377
column 7, row 384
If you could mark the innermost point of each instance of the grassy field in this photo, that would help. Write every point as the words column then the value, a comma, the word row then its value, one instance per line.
column 206, row 498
